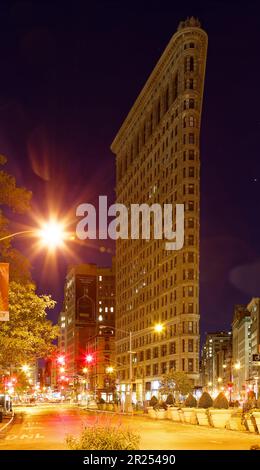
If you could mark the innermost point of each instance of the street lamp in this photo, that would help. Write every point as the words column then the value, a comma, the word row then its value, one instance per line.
column 51, row 234
column 25, row 368
column 158, row 328
column 233, row 366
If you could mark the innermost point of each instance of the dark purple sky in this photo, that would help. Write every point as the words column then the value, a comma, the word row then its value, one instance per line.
column 69, row 73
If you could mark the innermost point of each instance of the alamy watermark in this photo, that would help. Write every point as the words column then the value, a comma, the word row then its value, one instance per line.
column 136, row 221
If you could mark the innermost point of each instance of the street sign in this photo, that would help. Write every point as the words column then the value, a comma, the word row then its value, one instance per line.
column 4, row 287
column 256, row 359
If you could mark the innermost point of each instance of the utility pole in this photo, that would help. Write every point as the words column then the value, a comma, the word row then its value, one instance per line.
column 130, row 372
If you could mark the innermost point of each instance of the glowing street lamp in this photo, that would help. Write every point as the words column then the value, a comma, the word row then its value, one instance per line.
column 25, row 368
column 158, row 328
column 52, row 234
column 109, row 370
column 85, row 370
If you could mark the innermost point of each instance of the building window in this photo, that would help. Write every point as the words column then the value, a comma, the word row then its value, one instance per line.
column 191, row 172
column 163, row 367
column 155, row 369
column 155, row 353
column 163, row 350
column 172, row 348
column 191, row 189
column 148, row 354
column 190, row 308
column 190, row 365
column 191, row 155
column 191, row 139
column 190, row 205
column 190, row 345
column 148, row 371
column 190, row 224
column 172, row 365
column 183, row 345
column 183, row 365
column 190, row 326
column 191, row 240
column 190, row 291
column 191, row 121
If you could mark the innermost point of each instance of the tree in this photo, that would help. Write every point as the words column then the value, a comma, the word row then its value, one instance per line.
column 205, row 401
column 191, row 401
column 28, row 334
column 220, row 401
column 177, row 382
column 17, row 200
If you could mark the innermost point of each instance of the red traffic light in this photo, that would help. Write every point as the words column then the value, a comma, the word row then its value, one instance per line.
column 61, row 360
column 89, row 358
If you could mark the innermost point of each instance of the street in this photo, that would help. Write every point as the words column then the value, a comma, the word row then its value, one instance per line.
column 44, row 427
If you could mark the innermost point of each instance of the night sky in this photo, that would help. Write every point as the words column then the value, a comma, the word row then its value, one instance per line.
column 70, row 72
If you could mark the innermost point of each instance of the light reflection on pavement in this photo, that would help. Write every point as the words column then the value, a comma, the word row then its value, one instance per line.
column 45, row 427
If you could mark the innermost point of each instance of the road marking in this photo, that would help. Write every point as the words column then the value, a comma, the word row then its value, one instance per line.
column 29, row 428
column 29, row 437
column 11, row 437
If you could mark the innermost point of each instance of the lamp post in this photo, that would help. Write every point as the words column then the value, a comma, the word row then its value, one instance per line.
column 235, row 366
column 158, row 328
column 51, row 233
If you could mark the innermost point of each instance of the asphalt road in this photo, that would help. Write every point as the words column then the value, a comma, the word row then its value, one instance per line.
column 45, row 427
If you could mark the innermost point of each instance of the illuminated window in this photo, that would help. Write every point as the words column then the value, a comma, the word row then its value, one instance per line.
column 100, row 278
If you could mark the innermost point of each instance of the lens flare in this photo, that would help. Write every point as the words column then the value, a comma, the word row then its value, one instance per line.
column 52, row 234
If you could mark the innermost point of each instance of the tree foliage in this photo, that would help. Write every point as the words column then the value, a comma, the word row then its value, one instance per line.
column 28, row 334
column 220, row 401
column 175, row 381
column 205, row 401
column 191, row 401
column 105, row 437
column 17, row 200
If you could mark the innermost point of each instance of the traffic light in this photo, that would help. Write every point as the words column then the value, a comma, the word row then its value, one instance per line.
column 89, row 359
column 61, row 360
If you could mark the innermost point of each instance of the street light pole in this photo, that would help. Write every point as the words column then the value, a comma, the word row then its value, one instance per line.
column 158, row 328
column 22, row 232
column 130, row 371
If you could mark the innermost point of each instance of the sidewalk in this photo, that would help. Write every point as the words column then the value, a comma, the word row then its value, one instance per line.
column 3, row 427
